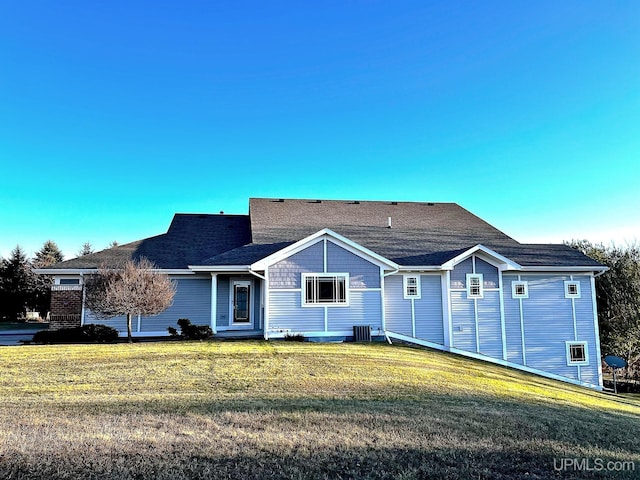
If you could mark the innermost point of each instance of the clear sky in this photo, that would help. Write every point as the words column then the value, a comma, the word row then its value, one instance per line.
column 116, row 114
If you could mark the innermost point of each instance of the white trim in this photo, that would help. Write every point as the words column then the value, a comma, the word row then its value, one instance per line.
column 522, row 339
column 281, row 333
column 572, row 363
column 418, row 286
column 447, row 318
column 214, row 302
column 556, row 269
column 325, row 256
column 64, row 271
column 479, row 356
column 303, row 299
column 519, row 283
column 503, row 263
column 267, row 302
column 383, row 319
column 220, row 268
column 336, row 238
column 596, row 328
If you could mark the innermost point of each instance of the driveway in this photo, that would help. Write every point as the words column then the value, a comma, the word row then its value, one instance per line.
column 16, row 336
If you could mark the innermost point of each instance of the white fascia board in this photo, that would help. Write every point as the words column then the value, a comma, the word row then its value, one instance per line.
column 335, row 238
column 421, row 268
column 564, row 269
column 64, row 271
column 174, row 271
column 220, row 268
column 503, row 262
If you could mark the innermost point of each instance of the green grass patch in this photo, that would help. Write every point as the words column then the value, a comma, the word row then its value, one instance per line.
column 255, row 409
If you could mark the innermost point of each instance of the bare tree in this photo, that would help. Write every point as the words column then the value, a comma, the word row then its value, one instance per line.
column 136, row 289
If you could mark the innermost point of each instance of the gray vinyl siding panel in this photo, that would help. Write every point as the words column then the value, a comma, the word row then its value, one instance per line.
column 287, row 273
column 459, row 273
column 512, row 321
column 397, row 309
column 489, row 273
column 362, row 273
column 489, row 324
column 192, row 300
column 119, row 323
column 548, row 324
column 428, row 310
column 222, row 302
column 586, row 329
column 463, row 321
column 365, row 308
column 286, row 313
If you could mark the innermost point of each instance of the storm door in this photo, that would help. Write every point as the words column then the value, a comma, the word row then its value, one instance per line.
column 241, row 302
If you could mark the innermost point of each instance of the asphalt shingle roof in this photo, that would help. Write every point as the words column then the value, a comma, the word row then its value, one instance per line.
column 421, row 234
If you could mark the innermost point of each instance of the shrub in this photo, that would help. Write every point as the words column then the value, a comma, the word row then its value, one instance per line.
column 294, row 337
column 192, row 332
column 91, row 333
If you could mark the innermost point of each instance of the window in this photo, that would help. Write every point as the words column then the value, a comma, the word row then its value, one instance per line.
column 69, row 281
column 571, row 289
column 519, row 289
column 319, row 289
column 411, row 285
column 474, row 285
column 577, row 353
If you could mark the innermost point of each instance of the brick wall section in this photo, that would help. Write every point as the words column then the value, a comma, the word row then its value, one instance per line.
column 66, row 308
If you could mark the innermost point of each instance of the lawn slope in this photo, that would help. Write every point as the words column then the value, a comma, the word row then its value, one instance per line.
column 253, row 409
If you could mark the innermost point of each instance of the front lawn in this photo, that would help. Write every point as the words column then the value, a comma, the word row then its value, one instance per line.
column 254, row 409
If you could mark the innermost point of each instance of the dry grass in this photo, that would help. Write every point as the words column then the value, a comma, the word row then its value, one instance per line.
column 289, row 410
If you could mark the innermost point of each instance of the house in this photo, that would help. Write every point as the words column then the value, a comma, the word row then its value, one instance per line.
column 429, row 273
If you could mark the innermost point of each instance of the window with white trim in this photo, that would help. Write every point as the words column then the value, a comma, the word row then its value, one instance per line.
column 411, row 286
column 577, row 353
column 571, row 289
column 69, row 281
column 325, row 289
column 519, row 289
column 474, row 285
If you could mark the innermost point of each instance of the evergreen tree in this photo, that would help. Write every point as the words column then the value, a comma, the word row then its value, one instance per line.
column 48, row 255
column 17, row 283
column 86, row 249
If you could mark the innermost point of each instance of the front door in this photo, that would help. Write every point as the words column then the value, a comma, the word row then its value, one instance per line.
column 241, row 303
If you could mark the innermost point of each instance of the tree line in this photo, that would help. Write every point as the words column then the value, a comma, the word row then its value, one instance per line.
column 21, row 290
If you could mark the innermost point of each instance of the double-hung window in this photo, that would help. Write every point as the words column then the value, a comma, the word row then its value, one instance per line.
column 474, row 285
column 411, row 286
column 325, row 289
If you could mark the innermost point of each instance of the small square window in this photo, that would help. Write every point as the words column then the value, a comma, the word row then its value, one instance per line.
column 474, row 285
column 577, row 353
column 411, row 286
column 571, row 289
column 519, row 289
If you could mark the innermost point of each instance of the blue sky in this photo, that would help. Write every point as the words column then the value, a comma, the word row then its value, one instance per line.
column 115, row 115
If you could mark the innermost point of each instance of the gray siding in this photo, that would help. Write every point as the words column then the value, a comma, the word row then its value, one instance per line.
column 548, row 324
column 287, row 313
column 287, row 273
column 459, row 273
column 489, row 273
column 397, row 310
column 428, row 310
column 586, row 329
column 222, row 302
column 512, row 321
column 489, row 324
column 192, row 301
column 362, row 273
column 365, row 308
column 463, row 321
